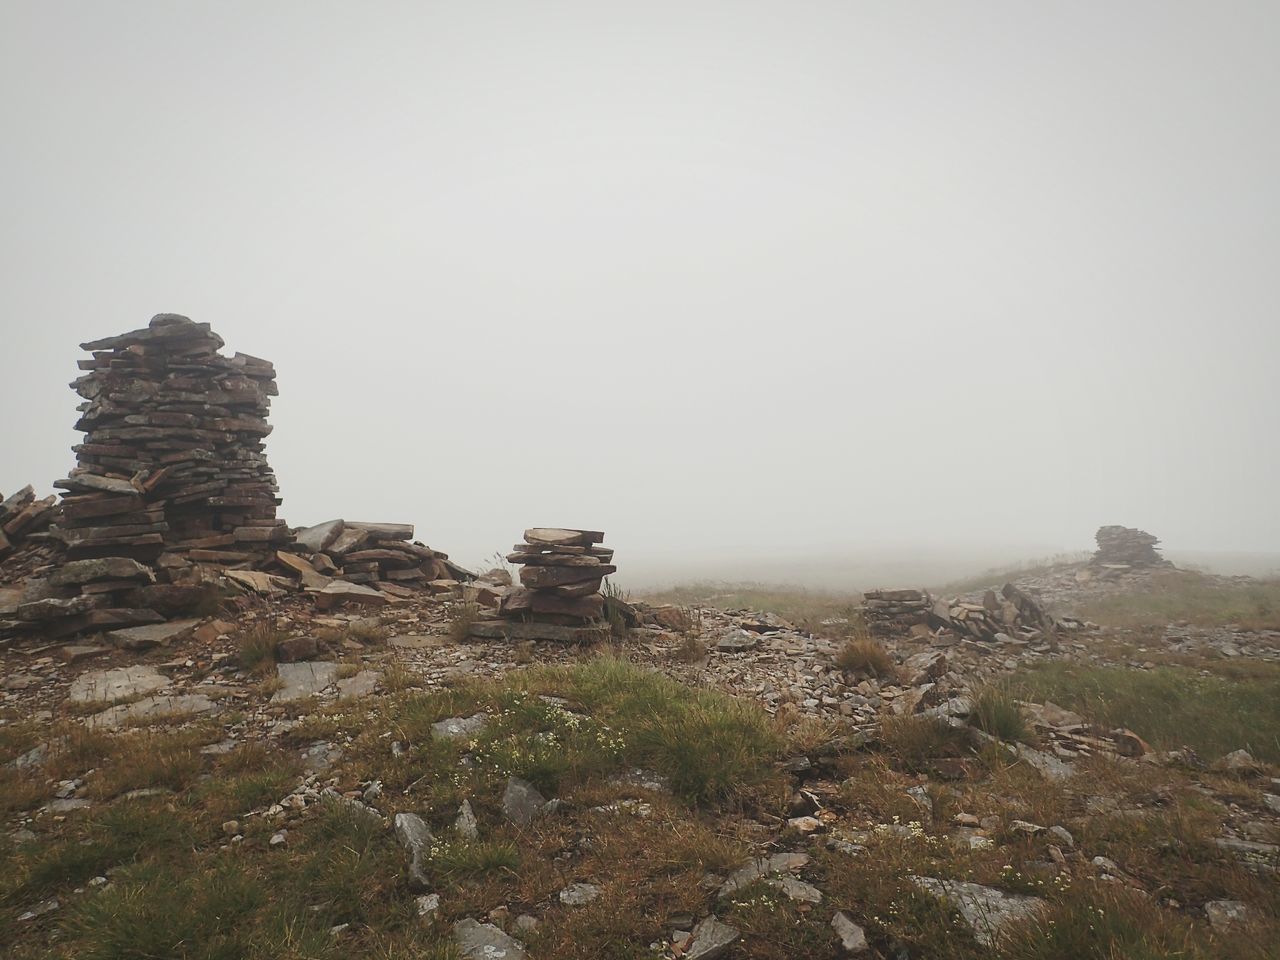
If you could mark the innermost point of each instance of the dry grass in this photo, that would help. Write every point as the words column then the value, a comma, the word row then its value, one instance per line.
column 460, row 626
column 257, row 651
column 863, row 656
column 1167, row 706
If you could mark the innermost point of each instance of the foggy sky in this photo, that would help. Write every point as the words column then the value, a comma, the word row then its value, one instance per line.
column 722, row 279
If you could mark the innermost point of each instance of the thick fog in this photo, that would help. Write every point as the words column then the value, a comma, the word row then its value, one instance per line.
column 777, row 290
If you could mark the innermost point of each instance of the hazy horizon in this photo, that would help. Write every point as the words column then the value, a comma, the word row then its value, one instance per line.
column 743, row 285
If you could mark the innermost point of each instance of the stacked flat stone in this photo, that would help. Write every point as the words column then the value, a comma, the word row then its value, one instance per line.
column 172, row 469
column 382, row 556
column 559, row 597
column 890, row 613
column 1011, row 616
column 22, row 515
column 1127, row 546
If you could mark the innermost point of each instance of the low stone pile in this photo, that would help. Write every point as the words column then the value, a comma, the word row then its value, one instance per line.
column 172, row 469
column 380, row 556
column 894, row 612
column 1012, row 616
column 22, row 515
column 1127, row 547
column 562, row 571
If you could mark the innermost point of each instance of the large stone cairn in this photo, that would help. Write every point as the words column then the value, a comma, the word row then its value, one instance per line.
column 562, row 571
column 172, row 468
column 170, row 483
column 1127, row 546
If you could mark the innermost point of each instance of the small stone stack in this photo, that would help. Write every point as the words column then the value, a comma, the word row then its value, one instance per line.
column 1127, row 547
column 172, row 469
column 890, row 613
column 559, row 597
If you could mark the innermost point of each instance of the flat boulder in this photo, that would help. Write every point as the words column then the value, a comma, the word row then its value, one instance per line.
column 301, row 680
column 484, row 941
column 152, row 635
column 78, row 572
column 116, row 684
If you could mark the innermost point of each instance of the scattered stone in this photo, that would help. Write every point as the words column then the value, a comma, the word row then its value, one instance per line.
column 303, row 679
column 415, row 836
column 984, row 909
column 484, row 941
column 1225, row 914
column 762, row 867
column 579, row 894
column 711, row 939
column 428, row 904
column 853, row 939
column 118, row 683
column 151, row 708
column 521, row 803
column 40, row 909
column 466, row 825
column 460, row 728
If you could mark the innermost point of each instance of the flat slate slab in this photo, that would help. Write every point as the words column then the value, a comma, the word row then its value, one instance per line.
column 153, row 635
column 985, row 909
column 303, row 679
column 116, row 684
column 161, row 705
column 484, row 941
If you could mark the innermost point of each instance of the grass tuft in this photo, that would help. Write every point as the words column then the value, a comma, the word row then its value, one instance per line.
column 996, row 711
column 865, row 656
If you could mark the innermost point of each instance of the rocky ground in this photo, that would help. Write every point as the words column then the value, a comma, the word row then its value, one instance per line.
column 512, row 799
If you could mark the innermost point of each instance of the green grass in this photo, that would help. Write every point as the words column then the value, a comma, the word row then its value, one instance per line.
column 1167, row 706
column 1180, row 595
column 996, row 711
column 803, row 607
column 712, row 746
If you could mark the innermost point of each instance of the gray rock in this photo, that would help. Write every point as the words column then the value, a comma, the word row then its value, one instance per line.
column 796, row 890
column 985, row 909
column 428, row 904
column 362, row 684
column 484, row 941
column 1224, row 914
column 521, row 802
column 466, row 825
column 77, row 572
column 318, row 538
column 415, row 836
column 578, row 894
column 1049, row 766
column 116, row 684
column 362, row 810
column 303, row 679
column 153, row 635
column 40, row 909
column 711, row 939
column 762, row 867
column 460, row 728
column 737, row 641
column 852, row 937
column 149, row 708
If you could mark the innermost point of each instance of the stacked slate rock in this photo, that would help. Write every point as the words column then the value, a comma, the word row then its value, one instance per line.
column 1128, row 547
column 23, row 516
column 332, row 557
column 559, row 597
column 172, row 469
column 1010, row 617
column 890, row 613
